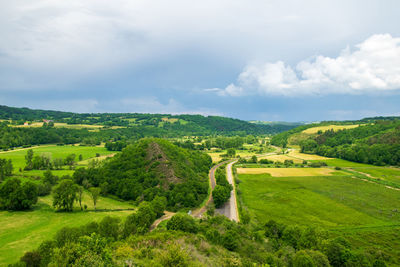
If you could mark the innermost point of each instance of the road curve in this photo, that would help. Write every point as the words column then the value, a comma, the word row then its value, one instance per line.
column 198, row 213
column 230, row 209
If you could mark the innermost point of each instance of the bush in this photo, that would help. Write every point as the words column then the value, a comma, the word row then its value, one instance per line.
column 14, row 196
column 183, row 222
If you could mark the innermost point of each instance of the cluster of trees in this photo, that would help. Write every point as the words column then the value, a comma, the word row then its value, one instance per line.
column 150, row 168
column 222, row 190
column 6, row 168
column 15, row 195
column 44, row 161
column 66, row 193
column 116, row 146
column 377, row 143
column 225, row 142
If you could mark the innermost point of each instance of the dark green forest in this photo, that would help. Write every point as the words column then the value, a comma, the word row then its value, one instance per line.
column 377, row 143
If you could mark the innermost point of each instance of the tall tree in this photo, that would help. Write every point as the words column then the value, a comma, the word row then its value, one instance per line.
column 79, row 195
column 28, row 159
column 95, row 193
column 64, row 195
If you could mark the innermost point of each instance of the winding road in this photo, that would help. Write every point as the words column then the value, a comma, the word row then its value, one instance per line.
column 230, row 209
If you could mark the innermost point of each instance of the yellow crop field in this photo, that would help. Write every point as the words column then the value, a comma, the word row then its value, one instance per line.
column 287, row 172
column 315, row 130
column 281, row 158
column 302, row 156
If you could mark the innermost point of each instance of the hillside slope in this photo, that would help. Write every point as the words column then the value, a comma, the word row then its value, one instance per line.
column 180, row 124
column 377, row 142
column 153, row 167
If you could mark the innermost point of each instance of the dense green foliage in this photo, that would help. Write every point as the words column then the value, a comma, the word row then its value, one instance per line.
column 214, row 241
column 64, row 195
column 222, row 190
column 150, row 168
column 141, row 125
column 377, row 143
column 6, row 168
column 17, row 196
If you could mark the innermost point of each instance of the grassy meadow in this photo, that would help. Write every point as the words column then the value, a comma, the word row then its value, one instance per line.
column 88, row 152
column 24, row 230
column 366, row 213
column 292, row 172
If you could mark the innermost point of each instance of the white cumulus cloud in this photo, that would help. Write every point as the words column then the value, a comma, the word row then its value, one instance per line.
column 372, row 66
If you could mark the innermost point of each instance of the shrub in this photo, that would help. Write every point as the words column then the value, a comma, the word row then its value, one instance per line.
column 182, row 222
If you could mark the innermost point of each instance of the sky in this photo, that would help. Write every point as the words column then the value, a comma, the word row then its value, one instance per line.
column 267, row 60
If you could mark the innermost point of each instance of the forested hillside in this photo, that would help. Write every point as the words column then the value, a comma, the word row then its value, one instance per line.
column 150, row 168
column 376, row 142
column 179, row 124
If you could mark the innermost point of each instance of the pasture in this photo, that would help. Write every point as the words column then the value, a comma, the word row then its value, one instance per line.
column 88, row 152
column 387, row 174
column 24, row 230
column 315, row 130
column 289, row 172
column 365, row 213
column 326, row 201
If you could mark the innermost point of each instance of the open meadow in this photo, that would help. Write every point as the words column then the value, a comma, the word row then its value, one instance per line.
column 54, row 152
column 22, row 231
column 366, row 213
column 289, row 172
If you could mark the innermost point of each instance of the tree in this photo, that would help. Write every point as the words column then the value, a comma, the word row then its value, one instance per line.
column 302, row 259
column 231, row 152
column 221, row 194
column 79, row 195
column 253, row 159
column 28, row 159
column 70, row 160
column 159, row 204
column 183, row 222
column 6, row 168
column 109, row 227
column 95, row 193
column 64, row 195
column 14, row 196
column 48, row 177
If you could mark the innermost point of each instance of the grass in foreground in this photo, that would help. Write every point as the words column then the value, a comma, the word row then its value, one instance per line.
column 25, row 230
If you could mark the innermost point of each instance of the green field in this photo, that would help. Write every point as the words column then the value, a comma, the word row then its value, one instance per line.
column 24, row 231
column 388, row 174
column 366, row 213
column 344, row 163
column 328, row 201
column 87, row 152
